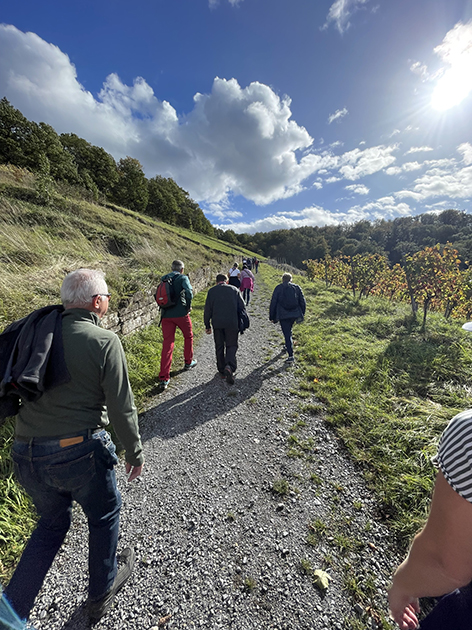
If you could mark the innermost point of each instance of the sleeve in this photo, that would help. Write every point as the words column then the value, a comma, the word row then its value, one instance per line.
column 301, row 300
column 273, row 305
column 119, row 398
column 207, row 312
column 454, row 457
column 187, row 288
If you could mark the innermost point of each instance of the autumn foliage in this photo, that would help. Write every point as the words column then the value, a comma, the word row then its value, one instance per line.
column 433, row 279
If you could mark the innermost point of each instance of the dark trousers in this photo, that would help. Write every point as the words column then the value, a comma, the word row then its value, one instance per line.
column 226, row 346
column 286, row 326
column 54, row 477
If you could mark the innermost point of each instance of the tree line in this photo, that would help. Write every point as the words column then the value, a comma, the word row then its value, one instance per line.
column 393, row 239
column 71, row 159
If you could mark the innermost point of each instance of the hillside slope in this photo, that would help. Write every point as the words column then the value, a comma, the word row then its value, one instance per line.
column 41, row 242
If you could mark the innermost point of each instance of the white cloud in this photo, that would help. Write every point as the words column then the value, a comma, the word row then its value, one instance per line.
column 466, row 150
column 340, row 13
column 418, row 150
column 338, row 114
column 383, row 208
column 359, row 163
column 287, row 220
column 444, row 178
column 358, row 189
column 420, row 69
column 239, row 140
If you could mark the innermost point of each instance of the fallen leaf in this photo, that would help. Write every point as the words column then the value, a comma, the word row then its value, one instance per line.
column 321, row 579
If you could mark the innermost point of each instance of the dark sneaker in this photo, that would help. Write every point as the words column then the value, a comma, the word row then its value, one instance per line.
column 229, row 375
column 190, row 365
column 164, row 384
column 290, row 360
column 96, row 609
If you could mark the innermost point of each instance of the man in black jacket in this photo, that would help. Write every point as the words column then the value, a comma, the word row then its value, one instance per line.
column 287, row 306
column 223, row 306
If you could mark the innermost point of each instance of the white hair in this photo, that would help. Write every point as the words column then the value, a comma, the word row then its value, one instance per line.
column 80, row 285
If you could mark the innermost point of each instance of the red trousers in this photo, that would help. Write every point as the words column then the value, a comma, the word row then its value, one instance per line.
column 169, row 325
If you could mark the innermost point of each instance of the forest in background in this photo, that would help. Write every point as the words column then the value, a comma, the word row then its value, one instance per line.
column 393, row 239
column 68, row 159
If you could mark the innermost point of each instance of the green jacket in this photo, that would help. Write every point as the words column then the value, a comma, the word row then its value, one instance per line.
column 183, row 293
column 98, row 393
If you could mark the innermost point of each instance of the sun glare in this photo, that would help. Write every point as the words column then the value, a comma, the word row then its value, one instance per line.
column 452, row 88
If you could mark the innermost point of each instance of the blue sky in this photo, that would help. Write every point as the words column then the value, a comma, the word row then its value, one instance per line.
column 270, row 113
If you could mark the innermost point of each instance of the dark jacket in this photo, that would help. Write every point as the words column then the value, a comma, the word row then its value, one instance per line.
column 281, row 299
column 183, row 295
column 31, row 358
column 223, row 306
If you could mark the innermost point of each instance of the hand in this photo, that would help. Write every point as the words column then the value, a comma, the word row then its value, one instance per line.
column 134, row 470
column 403, row 609
column 208, row 331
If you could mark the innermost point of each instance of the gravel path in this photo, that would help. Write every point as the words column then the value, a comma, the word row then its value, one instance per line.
column 234, row 477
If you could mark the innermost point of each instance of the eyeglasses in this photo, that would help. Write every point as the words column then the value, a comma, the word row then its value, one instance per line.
column 108, row 295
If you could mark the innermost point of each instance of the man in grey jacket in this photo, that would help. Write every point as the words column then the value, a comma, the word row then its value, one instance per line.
column 287, row 306
column 223, row 306
column 63, row 453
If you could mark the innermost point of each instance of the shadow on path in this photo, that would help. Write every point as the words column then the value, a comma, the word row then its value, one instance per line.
column 203, row 403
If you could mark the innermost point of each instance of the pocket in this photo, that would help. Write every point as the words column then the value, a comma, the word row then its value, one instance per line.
column 107, row 450
column 73, row 474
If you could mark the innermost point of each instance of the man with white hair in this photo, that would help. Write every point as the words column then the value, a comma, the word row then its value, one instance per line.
column 63, row 453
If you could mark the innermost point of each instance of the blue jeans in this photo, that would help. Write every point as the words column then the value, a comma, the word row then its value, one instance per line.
column 286, row 325
column 54, row 477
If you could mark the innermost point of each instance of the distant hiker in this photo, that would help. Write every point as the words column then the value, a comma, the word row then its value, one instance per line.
column 255, row 264
column 174, row 317
column 247, row 283
column 287, row 306
column 249, row 263
column 223, row 308
column 62, row 452
column 234, row 274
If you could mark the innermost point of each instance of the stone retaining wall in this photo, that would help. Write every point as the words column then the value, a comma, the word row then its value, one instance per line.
column 142, row 309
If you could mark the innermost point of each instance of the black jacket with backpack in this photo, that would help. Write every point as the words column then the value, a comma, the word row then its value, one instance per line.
column 288, row 302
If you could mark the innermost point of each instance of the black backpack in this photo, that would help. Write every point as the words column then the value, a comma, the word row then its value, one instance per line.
column 289, row 297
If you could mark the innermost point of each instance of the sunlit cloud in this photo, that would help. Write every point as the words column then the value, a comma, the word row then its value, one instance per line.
column 359, row 163
column 453, row 79
column 443, row 178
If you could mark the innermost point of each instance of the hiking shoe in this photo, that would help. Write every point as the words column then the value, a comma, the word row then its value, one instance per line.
column 229, row 375
column 164, row 384
column 190, row 365
column 96, row 609
column 290, row 360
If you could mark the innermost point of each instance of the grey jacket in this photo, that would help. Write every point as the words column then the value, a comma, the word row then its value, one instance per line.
column 222, row 307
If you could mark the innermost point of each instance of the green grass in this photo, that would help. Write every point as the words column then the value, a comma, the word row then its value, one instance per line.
column 387, row 389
